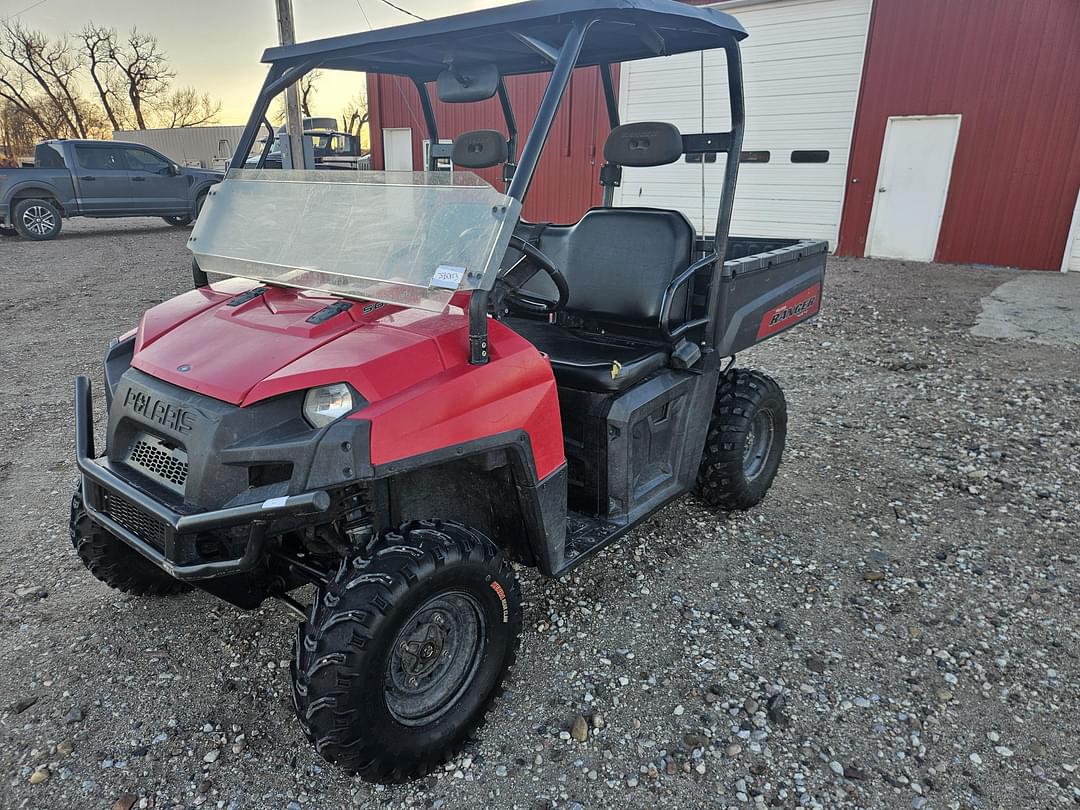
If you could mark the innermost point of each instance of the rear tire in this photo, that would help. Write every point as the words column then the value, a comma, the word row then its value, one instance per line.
column 39, row 220
column 110, row 560
column 402, row 653
column 745, row 442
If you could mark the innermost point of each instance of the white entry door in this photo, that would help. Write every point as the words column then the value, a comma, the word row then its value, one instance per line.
column 913, row 183
column 397, row 150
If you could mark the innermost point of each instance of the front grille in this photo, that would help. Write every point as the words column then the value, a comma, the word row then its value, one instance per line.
column 156, row 459
column 136, row 520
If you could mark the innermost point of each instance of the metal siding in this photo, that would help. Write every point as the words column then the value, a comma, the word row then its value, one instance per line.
column 566, row 183
column 802, row 65
column 185, row 144
column 1011, row 68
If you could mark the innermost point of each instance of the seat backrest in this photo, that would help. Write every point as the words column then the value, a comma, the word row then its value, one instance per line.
column 618, row 263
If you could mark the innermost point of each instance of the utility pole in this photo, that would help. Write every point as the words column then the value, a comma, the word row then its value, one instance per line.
column 294, row 123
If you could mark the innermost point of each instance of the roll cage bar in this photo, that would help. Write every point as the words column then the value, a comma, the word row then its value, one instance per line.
column 647, row 28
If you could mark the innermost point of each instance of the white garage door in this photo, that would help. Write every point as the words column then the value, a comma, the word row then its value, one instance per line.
column 802, row 64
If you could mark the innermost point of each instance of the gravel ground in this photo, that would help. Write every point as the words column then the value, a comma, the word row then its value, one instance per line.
column 894, row 627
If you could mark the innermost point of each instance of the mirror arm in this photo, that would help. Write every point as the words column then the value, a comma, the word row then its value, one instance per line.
column 508, row 117
column 462, row 79
column 429, row 119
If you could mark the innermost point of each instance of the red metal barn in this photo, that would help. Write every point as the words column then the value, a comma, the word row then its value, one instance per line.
column 567, row 181
column 944, row 130
column 1009, row 70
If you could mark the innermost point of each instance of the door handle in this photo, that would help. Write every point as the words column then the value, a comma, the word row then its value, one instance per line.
column 88, row 177
column 138, row 179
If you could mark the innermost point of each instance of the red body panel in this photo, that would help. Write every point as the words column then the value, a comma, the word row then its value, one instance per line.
column 411, row 366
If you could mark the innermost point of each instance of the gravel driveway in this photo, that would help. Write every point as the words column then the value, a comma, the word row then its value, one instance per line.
column 896, row 626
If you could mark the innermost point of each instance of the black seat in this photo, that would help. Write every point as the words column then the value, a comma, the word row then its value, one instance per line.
column 618, row 263
column 589, row 362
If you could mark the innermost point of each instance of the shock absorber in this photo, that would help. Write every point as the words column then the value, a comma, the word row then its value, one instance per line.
column 358, row 524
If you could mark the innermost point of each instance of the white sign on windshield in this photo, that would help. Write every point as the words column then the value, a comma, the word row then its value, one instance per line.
column 447, row 277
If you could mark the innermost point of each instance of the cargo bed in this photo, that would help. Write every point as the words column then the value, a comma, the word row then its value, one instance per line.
column 767, row 286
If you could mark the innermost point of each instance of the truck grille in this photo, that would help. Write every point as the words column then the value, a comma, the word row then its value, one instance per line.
column 136, row 520
column 157, row 460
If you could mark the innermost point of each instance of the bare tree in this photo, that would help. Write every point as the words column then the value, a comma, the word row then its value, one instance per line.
column 99, row 43
column 187, row 108
column 14, row 91
column 146, row 72
column 308, row 90
column 53, row 66
column 18, row 130
column 355, row 116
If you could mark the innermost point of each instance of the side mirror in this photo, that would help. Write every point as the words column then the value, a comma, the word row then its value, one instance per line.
column 463, row 83
column 174, row 170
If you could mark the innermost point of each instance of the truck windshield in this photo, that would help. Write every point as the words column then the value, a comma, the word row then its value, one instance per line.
column 408, row 238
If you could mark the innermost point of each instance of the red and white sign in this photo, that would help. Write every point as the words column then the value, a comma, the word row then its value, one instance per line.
column 797, row 308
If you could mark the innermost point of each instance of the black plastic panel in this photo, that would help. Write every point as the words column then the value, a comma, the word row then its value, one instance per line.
column 760, row 277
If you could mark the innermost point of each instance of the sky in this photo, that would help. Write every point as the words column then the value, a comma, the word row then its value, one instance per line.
column 215, row 45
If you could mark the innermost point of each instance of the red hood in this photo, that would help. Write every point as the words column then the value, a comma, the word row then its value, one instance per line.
column 268, row 345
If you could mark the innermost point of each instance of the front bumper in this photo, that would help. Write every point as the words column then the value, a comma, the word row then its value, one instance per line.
column 159, row 532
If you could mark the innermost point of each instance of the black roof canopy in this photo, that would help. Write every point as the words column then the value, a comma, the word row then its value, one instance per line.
column 624, row 30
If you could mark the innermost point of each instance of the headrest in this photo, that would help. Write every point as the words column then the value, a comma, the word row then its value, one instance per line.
column 649, row 143
column 479, row 149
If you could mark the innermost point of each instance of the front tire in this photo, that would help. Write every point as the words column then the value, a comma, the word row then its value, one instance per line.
column 110, row 560
column 402, row 653
column 178, row 222
column 39, row 220
column 745, row 442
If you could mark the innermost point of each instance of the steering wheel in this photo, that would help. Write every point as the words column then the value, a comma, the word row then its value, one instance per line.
column 520, row 272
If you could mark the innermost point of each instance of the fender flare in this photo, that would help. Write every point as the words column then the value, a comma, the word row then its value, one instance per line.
column 15, row 194
column 542, row 502
column 199, row 190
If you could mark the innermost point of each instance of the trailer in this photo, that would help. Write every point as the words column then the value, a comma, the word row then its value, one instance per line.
column 203, row 147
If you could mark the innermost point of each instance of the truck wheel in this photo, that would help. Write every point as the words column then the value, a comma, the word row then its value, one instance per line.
column 178, row 222
column 39, row 220
column 402, row 654
column 113, row 562
column 745, row 440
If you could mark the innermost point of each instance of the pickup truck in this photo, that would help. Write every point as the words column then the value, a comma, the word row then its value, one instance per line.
column 87, row 178
column 330, row 149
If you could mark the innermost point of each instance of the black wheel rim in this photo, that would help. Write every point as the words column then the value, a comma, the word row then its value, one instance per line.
column 39, row 220
column 759, row 441
column 435, row 658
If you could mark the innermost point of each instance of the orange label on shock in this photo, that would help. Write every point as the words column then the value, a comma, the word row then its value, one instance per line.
column 499, row 592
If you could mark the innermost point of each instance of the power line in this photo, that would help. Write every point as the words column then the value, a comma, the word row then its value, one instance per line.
column 360, row 6
column 399, row 8
column 28, row 8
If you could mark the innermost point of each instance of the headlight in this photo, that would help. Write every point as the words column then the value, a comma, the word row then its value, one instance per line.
column 327, row 403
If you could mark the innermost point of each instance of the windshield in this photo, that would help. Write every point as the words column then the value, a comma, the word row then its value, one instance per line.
column 409, row 238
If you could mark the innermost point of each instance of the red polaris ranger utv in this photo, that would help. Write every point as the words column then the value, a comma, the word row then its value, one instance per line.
column 400, row 386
